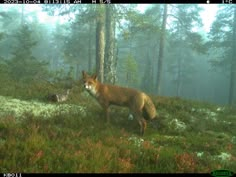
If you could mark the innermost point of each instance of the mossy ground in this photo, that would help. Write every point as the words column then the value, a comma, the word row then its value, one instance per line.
column 194, row 137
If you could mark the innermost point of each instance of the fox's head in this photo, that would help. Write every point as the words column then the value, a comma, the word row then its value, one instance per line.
column 90, row 83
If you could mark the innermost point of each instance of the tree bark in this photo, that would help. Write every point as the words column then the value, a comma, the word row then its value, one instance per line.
column 179, row 77
column 161, row 50
column 109, row 65
column 90, row 48
column 100, row 42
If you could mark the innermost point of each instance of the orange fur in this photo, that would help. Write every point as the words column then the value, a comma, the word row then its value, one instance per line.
column 138, row 102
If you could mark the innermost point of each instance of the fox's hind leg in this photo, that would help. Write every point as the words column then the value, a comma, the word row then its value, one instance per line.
column 136, row 110
column 141, row 121
column 106, row 110
column 143, row 125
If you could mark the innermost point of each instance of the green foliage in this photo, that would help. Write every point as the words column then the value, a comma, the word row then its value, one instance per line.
column 147, row 80
column 184, row 43
column 23, row 66
column 76, row 49
column 221, row 43
column 145, row 23
column 131, row 67
column 25, row 69
column 198, row 45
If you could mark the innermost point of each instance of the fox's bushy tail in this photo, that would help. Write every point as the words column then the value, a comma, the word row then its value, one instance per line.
column 149, row 108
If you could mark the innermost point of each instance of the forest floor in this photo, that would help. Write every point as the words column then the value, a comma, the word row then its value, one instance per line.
column 72, row 137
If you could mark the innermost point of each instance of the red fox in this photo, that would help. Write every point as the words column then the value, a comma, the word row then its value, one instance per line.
column 139, row 103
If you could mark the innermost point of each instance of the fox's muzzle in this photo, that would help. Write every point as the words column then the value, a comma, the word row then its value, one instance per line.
column 88, row 87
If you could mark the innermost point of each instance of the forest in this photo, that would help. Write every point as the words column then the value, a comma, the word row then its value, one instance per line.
column 182, row 55
column 162, row 51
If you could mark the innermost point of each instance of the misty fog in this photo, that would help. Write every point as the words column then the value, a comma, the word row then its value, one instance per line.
column 166, row 50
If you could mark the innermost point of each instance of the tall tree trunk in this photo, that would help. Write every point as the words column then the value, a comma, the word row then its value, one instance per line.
column 153, row 60
column 147, row 83
column 100, row 42
column 161, row 49
column 233, row 63
column 116, row 51
column 109, row 65
column 90, row 47
column 179, row 77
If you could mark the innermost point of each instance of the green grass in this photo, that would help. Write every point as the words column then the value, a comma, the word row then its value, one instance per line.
column 72, row 142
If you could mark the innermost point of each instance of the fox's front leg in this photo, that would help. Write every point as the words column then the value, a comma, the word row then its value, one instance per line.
column 142, row 124
column 105, row 106
column 107, row 114
column 141, row 121
column 106, row 110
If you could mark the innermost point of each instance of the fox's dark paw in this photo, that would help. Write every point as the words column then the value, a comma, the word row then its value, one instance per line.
column 156, row 124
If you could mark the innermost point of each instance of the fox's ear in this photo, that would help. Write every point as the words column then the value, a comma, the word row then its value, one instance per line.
column 94, row 76
column 84, row 73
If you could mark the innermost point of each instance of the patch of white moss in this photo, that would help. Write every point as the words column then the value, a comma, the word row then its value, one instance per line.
column 18, row 108
column 136, row 140
column 177, row 125
column 224, row 156
column 233, row 140
column 209, row 114
column 200, row 154
column 220, row 109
